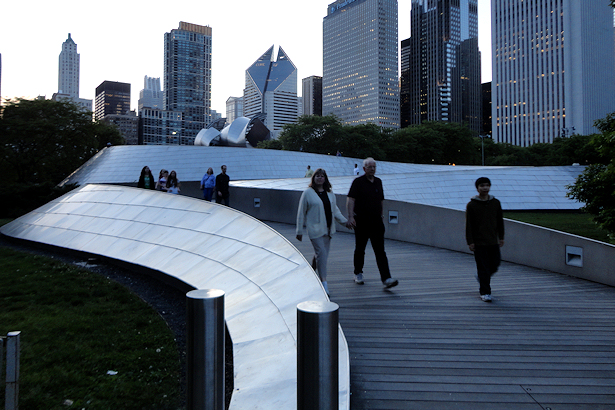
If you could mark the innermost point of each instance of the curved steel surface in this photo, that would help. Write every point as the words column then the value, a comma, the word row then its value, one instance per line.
column 519, row 188
column 207, row 246
column 206, row 136
column 234, row 134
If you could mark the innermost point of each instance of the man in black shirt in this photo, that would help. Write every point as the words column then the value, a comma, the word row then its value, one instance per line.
column 364, row 206
column 222, row 192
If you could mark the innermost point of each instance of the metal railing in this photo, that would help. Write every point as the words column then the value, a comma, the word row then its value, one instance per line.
column 12, row 342
column 317, row 353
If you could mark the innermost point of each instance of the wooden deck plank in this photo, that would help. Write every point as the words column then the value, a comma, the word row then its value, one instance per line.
column 547, row 340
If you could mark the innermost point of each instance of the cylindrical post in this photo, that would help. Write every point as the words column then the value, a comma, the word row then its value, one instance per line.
column 12, row 370
column 317, row 356
column 205, row 350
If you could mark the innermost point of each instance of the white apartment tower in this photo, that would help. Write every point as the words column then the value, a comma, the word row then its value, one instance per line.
column 68, row 72
column 360, row 81
column 151, row 96
column 234, row 108
column 553, row 68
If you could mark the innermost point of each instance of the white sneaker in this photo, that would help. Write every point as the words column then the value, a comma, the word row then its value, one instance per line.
column 390, row 282
column 486, row 298
column 358, row 279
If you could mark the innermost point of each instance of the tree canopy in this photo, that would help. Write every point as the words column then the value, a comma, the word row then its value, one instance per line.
column 596, row 184
column 44, row 141
column 428, row 143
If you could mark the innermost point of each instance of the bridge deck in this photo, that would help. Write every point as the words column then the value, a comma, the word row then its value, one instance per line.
column 547, row 341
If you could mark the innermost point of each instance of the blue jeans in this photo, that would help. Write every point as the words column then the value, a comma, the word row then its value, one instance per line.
column 321, row 249
column 208, row 193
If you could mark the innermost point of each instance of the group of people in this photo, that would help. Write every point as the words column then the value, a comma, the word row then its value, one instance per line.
column 167, row 182
column 218, row 185
column 317, row 212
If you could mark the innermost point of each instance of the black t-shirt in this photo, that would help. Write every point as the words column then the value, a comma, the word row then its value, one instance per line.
column 222, row 181
column 324, row 197
column 368, row 197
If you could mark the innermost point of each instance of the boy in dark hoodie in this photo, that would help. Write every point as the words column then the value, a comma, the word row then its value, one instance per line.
column 485, row 234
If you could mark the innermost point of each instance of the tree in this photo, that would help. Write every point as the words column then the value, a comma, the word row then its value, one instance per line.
column 596, row 184
column 312, row 133
column 44, row 141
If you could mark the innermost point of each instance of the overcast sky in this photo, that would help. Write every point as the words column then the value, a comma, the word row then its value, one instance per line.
column 124, row 40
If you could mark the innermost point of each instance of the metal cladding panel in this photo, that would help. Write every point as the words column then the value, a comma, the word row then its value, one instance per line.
column 207, row 246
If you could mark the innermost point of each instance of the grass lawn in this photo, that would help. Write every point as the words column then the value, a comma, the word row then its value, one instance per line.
column 575, row 223
column 76, row 326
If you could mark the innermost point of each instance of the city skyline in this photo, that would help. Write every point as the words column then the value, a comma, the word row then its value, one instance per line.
column 133, row 47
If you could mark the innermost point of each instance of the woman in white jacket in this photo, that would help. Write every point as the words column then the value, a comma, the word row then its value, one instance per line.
column 317, row 209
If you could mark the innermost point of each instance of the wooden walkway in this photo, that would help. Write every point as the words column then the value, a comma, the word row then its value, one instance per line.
column 547, row 341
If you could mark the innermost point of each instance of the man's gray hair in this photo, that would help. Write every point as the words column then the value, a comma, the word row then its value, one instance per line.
column 368, row 160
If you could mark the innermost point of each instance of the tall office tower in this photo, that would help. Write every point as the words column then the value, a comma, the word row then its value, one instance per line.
column 151, row 95
column 360, row 81
column 68, row 72
column 112, row 105
column 486, row 88
column 271, row 89
column 440, row 64
column 234, row 108
column 187, row 77
column 312, row 95
column 553, row 68
column 112, row 98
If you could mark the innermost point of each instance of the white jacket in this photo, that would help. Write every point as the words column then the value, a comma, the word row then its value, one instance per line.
column 311, row 213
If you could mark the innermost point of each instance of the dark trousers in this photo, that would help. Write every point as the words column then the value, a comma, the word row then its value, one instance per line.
column 222, row 199
column 487, row 259
column 373, row 232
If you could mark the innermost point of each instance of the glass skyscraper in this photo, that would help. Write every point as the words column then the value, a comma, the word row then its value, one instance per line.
column 553, row 68
column 187, row 77
column 360, row 81
column 271, row 89
column 440, row 64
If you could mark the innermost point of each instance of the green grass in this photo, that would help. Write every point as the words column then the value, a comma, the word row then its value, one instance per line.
column 77, row 325
column 575, row 223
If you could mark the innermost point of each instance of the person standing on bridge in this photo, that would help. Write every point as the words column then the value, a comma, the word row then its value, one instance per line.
column 485, row 234
column 365, row 215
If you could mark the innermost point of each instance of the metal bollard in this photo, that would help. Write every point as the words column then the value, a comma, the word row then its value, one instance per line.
column 13, row 352
column 205, row 350
column 317, row 356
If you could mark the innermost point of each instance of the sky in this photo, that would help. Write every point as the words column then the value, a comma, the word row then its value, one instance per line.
column 124, row 40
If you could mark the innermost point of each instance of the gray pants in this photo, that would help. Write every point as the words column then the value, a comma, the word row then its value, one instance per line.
column 321, row 248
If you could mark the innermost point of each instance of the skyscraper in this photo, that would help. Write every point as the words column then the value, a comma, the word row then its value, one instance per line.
column 112, row 105
column 360, row 81
column 151, row 95
column 440, row 79
column 112, row 98
column 234, row 108
column 68, row 76
column 68, row 72
column 312, row 95
column 187, row 77
column 553, row 68
column 271, row 89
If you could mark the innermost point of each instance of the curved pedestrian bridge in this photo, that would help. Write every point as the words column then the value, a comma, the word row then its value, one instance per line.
column 204, row 246
column 547, row 341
